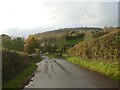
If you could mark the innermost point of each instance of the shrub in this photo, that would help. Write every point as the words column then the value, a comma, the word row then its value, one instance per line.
column 35, row 58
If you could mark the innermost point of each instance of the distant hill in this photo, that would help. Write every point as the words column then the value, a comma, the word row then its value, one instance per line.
column 74, row 32
column 68, row 30
column 70, row 34
column 63, row 39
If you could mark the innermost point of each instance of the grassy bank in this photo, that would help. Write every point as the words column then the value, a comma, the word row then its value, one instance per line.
column 18, row 80
column 109, row 69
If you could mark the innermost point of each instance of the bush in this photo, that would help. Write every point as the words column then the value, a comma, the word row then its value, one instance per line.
column 35, row 58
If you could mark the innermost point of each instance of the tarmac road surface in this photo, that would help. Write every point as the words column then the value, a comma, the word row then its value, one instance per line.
column 59, row 73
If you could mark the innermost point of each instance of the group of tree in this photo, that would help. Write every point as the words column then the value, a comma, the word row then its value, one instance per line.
column 31, row 45
column 16, row 43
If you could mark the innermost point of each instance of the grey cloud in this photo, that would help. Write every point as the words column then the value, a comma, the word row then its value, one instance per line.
column 72, row 14
column 99, row 13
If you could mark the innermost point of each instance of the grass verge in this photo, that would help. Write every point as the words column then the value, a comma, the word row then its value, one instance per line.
column 18, row 80
column 109, row 69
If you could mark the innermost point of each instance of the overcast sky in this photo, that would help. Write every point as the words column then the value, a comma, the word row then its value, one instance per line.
column 24, row 17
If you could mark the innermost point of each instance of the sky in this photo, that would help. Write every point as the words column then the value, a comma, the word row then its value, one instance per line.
column 25, row 17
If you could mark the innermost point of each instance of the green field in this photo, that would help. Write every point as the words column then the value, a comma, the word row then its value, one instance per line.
column 74, row 41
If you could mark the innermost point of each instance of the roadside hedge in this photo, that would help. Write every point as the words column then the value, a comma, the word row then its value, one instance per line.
column 106, row 47
column 13, row 62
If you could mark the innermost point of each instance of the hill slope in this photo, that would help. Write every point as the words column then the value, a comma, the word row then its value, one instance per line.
column 105, row 47
column 63, row 39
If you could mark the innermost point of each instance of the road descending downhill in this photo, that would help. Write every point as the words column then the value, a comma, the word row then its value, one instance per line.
column 59, row 73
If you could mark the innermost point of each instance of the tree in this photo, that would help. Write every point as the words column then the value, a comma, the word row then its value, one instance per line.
column 6, row 41
column 31, row 44
column 18, row 44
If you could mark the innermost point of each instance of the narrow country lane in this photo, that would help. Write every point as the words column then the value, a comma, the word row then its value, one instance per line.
column 58, row 73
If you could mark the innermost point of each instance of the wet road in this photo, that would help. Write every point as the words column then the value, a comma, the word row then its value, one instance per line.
column 58, row 73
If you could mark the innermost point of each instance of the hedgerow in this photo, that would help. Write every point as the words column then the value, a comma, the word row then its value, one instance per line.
column 106, row 47
column 13, row 62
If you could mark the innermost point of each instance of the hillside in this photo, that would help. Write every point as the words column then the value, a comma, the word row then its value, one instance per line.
column 104, row 47
column 62, row 39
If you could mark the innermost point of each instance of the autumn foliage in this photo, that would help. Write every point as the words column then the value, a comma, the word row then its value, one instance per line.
column 31, row 44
